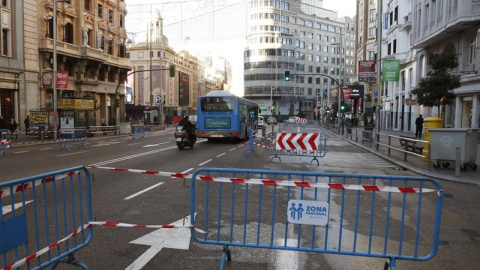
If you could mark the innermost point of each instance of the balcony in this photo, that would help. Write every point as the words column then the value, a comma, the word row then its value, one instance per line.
column 46, row 44
column 92, row 53
column 407, row 22
column 117, row 61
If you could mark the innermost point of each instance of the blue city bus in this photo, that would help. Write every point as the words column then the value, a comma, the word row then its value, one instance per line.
column 221, row 114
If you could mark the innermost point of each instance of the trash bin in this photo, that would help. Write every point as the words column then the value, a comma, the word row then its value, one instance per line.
column 41, row 133
column 444, row 142
column 125, row 128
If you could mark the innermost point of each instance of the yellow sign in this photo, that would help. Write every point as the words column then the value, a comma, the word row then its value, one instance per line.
column 76, row 104
column 377, row 94
column 38, row 117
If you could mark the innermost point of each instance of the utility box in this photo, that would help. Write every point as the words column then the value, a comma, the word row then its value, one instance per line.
column 445, row 141
column 125, row 128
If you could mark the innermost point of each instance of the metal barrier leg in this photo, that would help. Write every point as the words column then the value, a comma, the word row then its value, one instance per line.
column 315, row 158
column 70, row 260
column 226, row 254
column 276, row 156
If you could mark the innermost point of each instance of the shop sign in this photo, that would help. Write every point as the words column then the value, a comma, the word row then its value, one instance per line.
column 76, row 104
column 38, row 117
column 62, row 79
column 390, row 70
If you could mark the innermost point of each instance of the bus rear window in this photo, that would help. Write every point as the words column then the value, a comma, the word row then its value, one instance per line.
column 217, row 104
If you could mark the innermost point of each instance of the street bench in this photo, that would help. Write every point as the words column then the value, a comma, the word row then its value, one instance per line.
column 409, row 145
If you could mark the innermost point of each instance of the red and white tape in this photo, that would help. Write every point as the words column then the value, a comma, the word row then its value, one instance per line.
column 271, row 182
column 261, row 145
column 89, row 225
column 19, row 188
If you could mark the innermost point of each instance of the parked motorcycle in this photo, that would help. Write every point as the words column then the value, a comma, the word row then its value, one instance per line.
column 183, row 139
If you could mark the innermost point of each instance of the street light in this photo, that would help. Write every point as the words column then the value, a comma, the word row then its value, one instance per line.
column 340, row 44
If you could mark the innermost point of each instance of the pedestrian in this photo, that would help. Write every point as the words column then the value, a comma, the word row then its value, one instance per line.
column 27, row 124
column 3, row 123
column 419, row 127
column 13, row 127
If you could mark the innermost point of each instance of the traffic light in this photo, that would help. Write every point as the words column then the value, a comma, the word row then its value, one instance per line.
column 287, row 75
column 343, row 107
column 172, row 70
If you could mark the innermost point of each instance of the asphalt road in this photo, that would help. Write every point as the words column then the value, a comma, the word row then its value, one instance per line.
column 150, row 199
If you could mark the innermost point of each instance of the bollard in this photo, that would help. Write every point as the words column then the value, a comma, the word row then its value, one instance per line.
column 457, row 161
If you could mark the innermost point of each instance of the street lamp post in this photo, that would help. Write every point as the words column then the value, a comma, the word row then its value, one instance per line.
column 340, row 120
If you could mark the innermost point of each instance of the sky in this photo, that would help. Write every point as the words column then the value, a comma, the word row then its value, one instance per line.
column 344, row 7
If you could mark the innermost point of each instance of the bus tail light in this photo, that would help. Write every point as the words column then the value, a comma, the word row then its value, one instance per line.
column 234, row 133
column 200, row 133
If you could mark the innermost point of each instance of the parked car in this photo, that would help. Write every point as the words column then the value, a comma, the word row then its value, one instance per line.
column 260, row 122
column 272, row 120
column 292, row 119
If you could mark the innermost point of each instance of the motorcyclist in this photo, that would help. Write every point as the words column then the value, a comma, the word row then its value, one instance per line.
column 187, row 126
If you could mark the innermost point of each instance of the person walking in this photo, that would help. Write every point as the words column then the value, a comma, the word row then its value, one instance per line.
column 27, row 124
column 13, row 128
column 419, row 127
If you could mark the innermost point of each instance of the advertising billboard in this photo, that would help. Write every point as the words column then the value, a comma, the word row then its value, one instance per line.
column 62, row 79
column 353, row 91
column 367, row 71
column 390, row 70
column 184, row 89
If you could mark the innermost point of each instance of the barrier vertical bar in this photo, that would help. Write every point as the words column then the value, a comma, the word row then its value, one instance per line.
column 372, row 211
column 55, row 211
column 313, row 227
column 402, row 223
column 259, row 213
column 286, row 217
column 74, row 221
column 246, row 211
column 356, row 216
column 233, row 210
column 219, row 222
column 387, row 222
column 328, row 200
column 273, row 213
column 417, row 235
column 49, row 255
column 206, row 207
column 341, row 216
column 300, row 225
column 65, row 225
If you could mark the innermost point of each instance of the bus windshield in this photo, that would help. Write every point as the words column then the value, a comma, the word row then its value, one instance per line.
column 217, row 104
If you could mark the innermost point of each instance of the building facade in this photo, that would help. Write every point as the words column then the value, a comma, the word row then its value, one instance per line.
column 451, row 26
column 178, row 94
column 281, row 37
column 12, row 63
column 91, row 39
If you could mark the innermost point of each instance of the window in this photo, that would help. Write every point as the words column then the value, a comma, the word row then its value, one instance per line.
column 87, row 5
column 5, row 3
column 410, row 76
column 5, row 42
column 371, row 32
column 427, row 12
column 100, row 11
column 434, row 9
column 371, row 55
column 325, row 59
column 372, row 16
column 121, row 20
column 68, row 33
column 110, row 15
column 49, row 33
column 472, row 51
column 121, row 50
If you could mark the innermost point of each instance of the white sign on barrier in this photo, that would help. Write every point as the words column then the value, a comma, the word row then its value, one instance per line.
column 308, row 212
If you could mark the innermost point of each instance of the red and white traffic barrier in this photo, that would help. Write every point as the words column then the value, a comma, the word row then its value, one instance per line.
column 89, row 225
column 19, row 188
column 297, row 141
column 283, row 183
column 261, row 145
column 301, row 120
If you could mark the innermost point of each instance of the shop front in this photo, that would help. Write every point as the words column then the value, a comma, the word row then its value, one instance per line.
column 76, row 113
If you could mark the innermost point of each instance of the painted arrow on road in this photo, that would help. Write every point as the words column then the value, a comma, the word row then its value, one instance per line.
column 153, row 145
column 161, row 238
column 7, row 209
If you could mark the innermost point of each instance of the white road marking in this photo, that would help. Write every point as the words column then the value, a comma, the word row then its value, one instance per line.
column 142, row 191
column 221, row 154
column 20, row 152
column 105, row 144
column 232, row 149
column 188, row 170
column 135, row 143
column 8, row 208
column 134, row 156
column 203, row 163
column 69, row 154
column 43, row 149
column 153, row 145
column 162, row 238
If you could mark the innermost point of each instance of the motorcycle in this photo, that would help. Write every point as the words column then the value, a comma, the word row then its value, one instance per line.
column 182, row 139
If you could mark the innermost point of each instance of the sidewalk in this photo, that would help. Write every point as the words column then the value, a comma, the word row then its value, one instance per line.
column 413, row 163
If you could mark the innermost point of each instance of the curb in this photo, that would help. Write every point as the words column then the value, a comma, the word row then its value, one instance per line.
column 409, row 166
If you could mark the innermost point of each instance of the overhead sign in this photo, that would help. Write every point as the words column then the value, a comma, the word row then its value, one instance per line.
column 308, row 212
column 367, row 71
column 184, row 89
column 390, row 70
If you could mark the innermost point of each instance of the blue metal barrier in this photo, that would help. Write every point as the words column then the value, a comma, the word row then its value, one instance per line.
column 5, row 140
column 138, row 132
column 392, row 217
column 321, row 150
column 43, row 217
column 72, row 136
column 251, row 149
